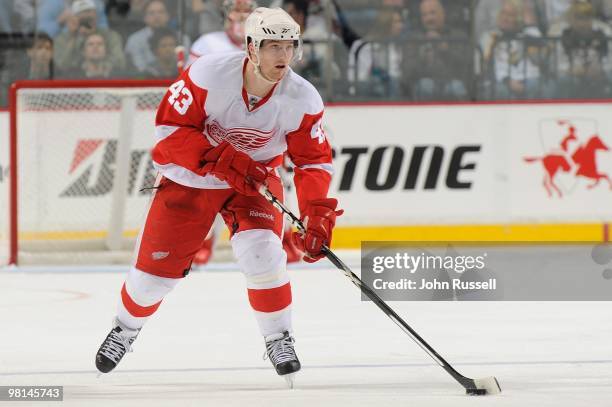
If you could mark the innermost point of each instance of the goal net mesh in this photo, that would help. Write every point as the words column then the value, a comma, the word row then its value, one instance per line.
column 83, row 169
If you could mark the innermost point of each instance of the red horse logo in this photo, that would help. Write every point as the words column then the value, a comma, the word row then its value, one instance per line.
column 582, row 159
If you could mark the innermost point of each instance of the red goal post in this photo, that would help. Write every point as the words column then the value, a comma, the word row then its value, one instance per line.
column 79, row 159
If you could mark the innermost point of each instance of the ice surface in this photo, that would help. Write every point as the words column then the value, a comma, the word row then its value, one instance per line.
column 203, row 347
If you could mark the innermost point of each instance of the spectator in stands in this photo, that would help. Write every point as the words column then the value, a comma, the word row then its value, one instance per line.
column 316, row 39
column 486, row 12
column 40, row 58
column 342, row 25
column 312, row 23
column 163, row 44
column 36, row 62
column 232, row 38
column 137, row 47
column 375, row 61
column 550, row 16
column 555, row 14
column 206, row 17
column 457, row 13
column 313, row 52
column 584, row 61
column 437, row 59
column 298, row 10
column 511, row 56
column 68, row 44
column 96, row 61
column 125, row 16
column 55, row 16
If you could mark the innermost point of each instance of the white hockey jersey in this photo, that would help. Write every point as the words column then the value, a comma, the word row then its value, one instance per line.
column 212, row 43
column 208, row 105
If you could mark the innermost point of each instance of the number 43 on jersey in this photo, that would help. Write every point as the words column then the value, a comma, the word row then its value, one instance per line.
column 180, row 97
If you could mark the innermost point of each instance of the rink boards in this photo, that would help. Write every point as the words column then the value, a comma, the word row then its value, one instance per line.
column 422, row 172
column 496, row 172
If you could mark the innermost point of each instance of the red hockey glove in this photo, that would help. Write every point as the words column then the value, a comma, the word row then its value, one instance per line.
column 319, row 219
column 236, row 168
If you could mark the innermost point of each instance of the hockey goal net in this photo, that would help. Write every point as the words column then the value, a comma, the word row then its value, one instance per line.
column 80, row 169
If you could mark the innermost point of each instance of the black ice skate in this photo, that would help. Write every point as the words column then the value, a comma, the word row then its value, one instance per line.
column 117, row 343
column 279, row 348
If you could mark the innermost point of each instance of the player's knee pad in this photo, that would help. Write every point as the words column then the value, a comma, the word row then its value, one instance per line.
column 261, row 258
column 146, row 289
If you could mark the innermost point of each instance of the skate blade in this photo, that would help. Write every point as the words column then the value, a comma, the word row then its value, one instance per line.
column 289, row 378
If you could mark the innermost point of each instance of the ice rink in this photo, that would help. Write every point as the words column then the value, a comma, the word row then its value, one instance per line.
column 202, row 348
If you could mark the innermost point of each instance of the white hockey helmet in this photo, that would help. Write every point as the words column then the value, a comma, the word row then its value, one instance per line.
column 272, row 24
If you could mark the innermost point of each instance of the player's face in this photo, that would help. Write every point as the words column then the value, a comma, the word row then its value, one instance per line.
column 275, row 57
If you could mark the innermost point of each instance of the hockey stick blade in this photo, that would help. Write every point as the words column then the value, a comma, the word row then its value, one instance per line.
column 478, row 387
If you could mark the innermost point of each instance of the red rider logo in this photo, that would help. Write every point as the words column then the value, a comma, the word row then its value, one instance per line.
column 572, row 156
column 241, row 138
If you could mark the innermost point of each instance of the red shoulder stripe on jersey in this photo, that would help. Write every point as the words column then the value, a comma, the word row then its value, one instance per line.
column 184, row 109
column 308, row 146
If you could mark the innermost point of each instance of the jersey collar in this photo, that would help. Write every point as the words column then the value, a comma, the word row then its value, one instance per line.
column 245, row 96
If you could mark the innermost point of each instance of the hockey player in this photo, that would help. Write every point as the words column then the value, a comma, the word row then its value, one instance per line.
column 221, row 129
column 231, row 39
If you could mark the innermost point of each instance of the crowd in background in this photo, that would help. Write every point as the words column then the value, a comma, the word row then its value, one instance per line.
column 353, row 49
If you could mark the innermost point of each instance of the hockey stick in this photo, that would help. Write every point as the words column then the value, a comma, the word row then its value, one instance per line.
column 487, row 385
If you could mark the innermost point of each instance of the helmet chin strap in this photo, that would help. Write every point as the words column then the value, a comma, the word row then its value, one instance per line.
column 260, row 74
